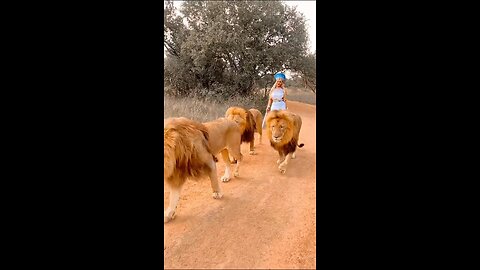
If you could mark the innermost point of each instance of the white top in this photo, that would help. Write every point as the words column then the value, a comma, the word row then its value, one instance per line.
column 277, row 99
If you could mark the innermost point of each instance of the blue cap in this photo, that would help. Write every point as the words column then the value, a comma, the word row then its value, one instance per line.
column 280, row 76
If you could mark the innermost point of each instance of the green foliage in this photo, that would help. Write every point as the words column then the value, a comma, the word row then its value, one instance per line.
column 307, row 68
column 229, row 47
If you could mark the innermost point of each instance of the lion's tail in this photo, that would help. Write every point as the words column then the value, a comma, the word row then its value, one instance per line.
column 301, row 145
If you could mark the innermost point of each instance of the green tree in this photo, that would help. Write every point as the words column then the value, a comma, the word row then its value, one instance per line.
column 228, row 46
column 306, row 67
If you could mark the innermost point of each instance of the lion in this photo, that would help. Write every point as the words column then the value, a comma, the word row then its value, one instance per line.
column 246, row 122
column 283, row 131
column 187, row 155
column 225, row 138
column 257, row 117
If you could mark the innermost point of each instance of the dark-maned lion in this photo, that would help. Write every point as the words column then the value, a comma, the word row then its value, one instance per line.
column 244, row 119
column 187, row 154
column 283, row 131
column 258, row 118
column 224, row 136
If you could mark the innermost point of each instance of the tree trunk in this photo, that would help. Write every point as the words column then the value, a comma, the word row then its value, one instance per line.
column 266, row 89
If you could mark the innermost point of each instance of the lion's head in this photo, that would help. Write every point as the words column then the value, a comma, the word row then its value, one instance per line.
column 283, row 129
column 244, row 120
column 280, row 127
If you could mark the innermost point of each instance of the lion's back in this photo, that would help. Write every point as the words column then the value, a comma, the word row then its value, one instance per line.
column 221, row 132
column 297, row 124
column 257, row 117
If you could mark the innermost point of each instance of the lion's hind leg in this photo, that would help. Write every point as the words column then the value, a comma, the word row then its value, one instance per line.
column 239, row 157
column 234, row 148
column 252, row 147
column 226, row 159
column 258, row 128
column 217, row 192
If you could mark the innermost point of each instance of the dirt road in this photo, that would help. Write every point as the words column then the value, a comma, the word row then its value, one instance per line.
column 264, row 220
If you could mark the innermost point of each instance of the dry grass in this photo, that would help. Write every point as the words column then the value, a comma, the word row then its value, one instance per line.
column 208, row 109
column 302, row 95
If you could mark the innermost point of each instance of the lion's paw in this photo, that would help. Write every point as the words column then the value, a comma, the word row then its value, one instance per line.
column 225, row 178
column 168, row 215
column 252, row 152
column 236, row 174
column 282, row 168
column 217, row 195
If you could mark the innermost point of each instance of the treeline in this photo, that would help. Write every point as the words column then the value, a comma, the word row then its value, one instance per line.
column 233, row 47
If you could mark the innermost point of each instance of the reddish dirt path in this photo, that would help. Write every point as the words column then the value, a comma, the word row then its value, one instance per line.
column 264, row 220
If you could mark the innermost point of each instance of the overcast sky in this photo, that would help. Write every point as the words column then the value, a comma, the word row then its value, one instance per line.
column 307, row 8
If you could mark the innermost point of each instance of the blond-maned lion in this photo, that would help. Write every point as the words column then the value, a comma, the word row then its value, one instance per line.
column 283, row 131
column 224, row 137
column 257, row 117
column 187, row 154
column 246, row 122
